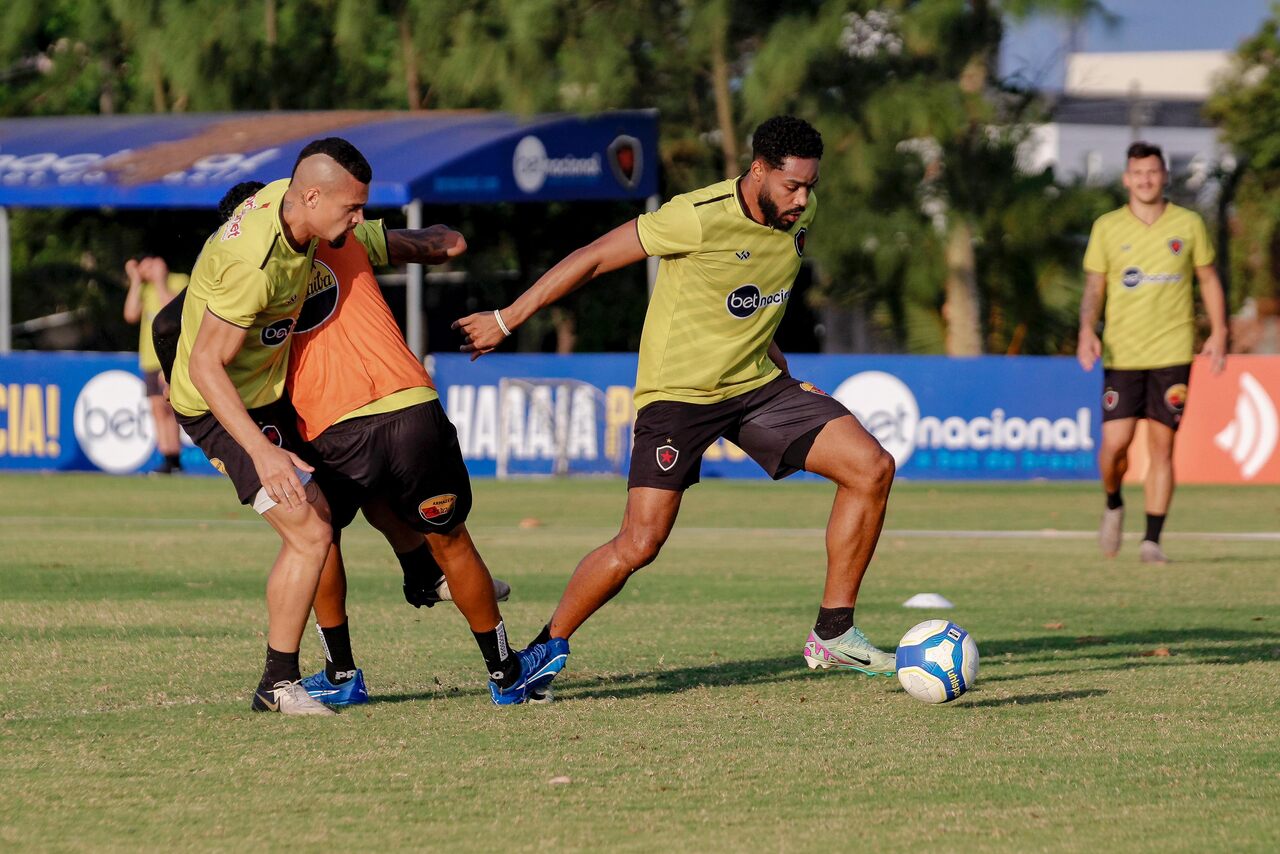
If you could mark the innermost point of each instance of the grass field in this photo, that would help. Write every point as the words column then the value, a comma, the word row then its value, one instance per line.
column 131, row 635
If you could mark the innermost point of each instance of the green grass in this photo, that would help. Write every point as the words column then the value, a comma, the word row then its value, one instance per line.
column 131, row 633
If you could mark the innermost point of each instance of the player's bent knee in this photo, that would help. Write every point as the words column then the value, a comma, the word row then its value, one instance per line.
column 638, row 549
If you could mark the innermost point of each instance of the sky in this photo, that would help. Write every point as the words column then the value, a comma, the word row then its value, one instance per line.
column 1036, row 49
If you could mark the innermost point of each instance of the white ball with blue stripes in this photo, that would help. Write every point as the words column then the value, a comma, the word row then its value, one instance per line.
column 937, row 661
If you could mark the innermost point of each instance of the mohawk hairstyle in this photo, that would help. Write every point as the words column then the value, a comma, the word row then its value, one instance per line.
column 236, row 196
column 785, row 136
column 343, row 153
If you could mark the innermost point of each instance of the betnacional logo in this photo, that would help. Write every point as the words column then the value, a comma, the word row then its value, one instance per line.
column 113, row 422
column 1175, row 397
column 1250, row 438
column 275, row 334
column 532, row 168
column 887, row 409
column 1131, row 277
column 800, row 236
column 1175, row 245
column 746, row 300
column 322, row 298
column 626, row 159
column 437, row 510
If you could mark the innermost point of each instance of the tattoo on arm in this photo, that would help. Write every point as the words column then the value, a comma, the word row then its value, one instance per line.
column 419, row 245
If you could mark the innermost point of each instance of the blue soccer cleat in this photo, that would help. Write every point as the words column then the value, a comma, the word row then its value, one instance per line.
column 539, row 664
column 539, row 687
column 350, row 693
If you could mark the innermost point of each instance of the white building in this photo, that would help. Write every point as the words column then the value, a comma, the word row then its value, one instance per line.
column 1113, row 99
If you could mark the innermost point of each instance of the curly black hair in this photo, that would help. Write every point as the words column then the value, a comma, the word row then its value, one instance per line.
column 344, row 154
column 785, row 136
column 236, row 196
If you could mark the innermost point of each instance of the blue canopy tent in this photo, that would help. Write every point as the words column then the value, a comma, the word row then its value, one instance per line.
column 190, row 161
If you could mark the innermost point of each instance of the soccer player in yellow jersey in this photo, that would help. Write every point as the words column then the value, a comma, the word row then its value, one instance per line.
column 151, row 287
column 709, row 368
column 1139, row 263
column 228, row 380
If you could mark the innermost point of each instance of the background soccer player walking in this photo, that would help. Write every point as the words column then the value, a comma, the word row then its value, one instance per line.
column 709, row 368
column 1139, row 262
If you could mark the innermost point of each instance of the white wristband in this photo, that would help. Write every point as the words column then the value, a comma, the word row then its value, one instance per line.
column 497, row 315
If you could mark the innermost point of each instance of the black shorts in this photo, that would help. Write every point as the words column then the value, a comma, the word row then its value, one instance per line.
column 277, row 420
column 410, row 457
column 774, row 424
column 1158, row 394
column 151, row 379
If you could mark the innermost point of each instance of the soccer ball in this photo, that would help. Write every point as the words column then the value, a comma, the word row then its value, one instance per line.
column 937, row 661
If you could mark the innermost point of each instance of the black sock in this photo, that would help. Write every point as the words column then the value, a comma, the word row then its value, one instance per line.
column 339, row 663
column 504, row 668
column 420, row 568
column 1114, row 500
column 281, row 667
column 1154, row 525
column 543, row 636
column 833, row 622
column 174, row 460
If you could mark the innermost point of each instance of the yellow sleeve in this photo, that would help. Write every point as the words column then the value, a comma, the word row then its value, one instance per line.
column 178, row 282
column 672, row 229
column 240, row 294
column 1202, row 252
column 373, row 237
column 1095, row 254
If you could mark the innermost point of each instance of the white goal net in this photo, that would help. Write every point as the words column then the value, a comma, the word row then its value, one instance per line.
column 557, row 427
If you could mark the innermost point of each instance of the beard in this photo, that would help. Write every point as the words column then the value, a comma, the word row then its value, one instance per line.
column 772, row 217
column 340, row 241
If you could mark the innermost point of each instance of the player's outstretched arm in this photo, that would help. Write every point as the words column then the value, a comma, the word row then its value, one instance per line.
column 215, row 346
column 482, row 332
column 1215, row 304
column 434, row 245
column 1089, row 346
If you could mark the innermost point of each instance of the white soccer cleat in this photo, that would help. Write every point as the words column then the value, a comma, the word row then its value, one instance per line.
column 1150, row 552
column 850, row 651
column 289, row 698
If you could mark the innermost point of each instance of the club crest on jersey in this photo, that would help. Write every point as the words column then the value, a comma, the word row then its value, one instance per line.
column 626, row 160
column 1175, row 397
column 321, row 300
column 1110, row 399
column 666, row 456
column 437, row 510
column 800, row 235
column 272, row 432
column 1175, row 245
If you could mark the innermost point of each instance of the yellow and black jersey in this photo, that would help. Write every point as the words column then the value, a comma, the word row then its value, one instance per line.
column 1150, row 320
column 723, row 284
column 151, row 305
column 249, row 276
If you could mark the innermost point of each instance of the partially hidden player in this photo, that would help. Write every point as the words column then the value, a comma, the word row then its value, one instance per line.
column 151, row 287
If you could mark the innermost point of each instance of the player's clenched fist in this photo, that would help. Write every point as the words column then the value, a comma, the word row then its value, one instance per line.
column 481, row 332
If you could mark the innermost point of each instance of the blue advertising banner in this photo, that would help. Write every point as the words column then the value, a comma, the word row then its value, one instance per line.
column 991, row 417
column 984, row 418
column 80, row 412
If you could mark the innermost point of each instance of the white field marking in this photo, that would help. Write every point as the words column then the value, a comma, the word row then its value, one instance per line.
column 906, row 533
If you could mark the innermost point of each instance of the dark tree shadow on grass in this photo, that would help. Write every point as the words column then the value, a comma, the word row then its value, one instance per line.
column 1032, row 699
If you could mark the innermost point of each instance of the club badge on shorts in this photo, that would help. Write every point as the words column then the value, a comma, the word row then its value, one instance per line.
column 272, row 432
column 667, row 456
column 437, row 510
column 1110, row 398
column 1175, row 397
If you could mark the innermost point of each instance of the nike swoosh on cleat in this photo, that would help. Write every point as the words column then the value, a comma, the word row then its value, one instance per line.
column 866, row 662
column 275, row 707
column 543, row 670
